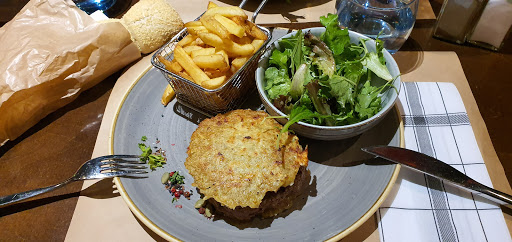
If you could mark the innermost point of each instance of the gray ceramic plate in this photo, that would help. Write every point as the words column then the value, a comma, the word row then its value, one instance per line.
column 345, row 188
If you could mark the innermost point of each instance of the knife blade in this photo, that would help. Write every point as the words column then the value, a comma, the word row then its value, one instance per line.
column 436, row 168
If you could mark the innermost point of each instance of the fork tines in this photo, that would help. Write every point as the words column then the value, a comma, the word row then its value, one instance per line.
column 122, row 165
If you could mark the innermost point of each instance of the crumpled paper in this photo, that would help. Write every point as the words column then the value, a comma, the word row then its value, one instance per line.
column 52, row 51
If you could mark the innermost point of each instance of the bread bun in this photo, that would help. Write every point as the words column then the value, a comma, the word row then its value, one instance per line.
column 151, row 24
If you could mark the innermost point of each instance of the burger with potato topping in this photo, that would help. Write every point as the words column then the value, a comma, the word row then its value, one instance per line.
column 244, row 166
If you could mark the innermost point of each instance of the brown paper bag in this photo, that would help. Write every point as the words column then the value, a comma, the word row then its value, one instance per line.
column 52, row 51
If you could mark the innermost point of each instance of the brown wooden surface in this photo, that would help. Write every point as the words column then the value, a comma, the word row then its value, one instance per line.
column 53, row 149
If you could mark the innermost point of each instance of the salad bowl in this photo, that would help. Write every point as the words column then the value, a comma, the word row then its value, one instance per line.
column 388, row 97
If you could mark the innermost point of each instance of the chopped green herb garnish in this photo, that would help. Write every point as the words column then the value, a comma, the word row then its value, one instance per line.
column 144, row 138
column 176, row 178
column 146, row 151
column 156, row 161
column 153, row 160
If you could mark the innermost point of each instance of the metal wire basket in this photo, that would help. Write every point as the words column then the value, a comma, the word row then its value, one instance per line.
column 210, row 102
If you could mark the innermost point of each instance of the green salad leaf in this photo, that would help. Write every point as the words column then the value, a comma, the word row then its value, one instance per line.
column 278, row 82
column 326, row 80
column 337, row 39
column 280, row 59
column 368, row 101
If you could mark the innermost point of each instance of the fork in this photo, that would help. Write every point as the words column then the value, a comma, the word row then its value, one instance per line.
column 97, row 168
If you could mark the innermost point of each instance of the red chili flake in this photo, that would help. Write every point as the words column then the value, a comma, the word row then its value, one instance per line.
column 176, row 194
column 173, row 190
column 201, row 210
column 172, row 173
column 178, row 206
column 187, row 194
column 173, row 144
column 180, row 191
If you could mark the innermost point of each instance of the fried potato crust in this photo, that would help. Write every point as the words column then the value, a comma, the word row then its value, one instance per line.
column 235, row 159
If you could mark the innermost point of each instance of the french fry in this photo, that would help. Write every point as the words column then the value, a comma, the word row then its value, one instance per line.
column 239, row 50
column 195, row 30
column 187, row 40
column 210, row 61
column 167, row 63
column 241, row 22
column 199, row 42
column 185, row 75
column 239, row 62
column 215, row 26
column 175, row 67
column 220, row 35
column 217, row 72
column 244, row 40
column 203, row 51
column 214, row 83
column 198, row 76
column 250, row 28
column 257, row 43
column 230, row 11
column 255, row 31
column 211, row 39
column 193, row 24
column 224, row 54
column 190, row 48
column 233, row 69
column 231, row 26
column 167, row 95
column 212, row 5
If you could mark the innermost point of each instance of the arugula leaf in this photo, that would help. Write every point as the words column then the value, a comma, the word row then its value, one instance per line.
column 373, row 62
column 343, row 89
column 353, row 72
column 379, row 46
column 278, row 82
column 280, row 59
column 319, row 101
column 337, row 39
column 368, row 101
column 297, row 55
column 297, row 114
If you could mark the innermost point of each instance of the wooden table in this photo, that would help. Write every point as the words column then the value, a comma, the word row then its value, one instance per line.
column 54, row 148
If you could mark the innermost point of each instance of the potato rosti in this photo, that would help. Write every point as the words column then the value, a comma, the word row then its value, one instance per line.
column 235, row 159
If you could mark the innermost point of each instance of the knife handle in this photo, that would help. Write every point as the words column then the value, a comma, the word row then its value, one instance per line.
column 501, row 196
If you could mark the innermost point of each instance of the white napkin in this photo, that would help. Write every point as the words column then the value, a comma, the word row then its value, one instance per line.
column 423, row 208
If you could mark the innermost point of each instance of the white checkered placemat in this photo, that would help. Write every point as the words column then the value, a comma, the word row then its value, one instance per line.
column 423, row 208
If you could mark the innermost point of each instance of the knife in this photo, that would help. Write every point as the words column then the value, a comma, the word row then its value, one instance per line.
column 436, row 168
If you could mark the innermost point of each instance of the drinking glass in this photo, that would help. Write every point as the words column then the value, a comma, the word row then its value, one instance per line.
column 389, row 20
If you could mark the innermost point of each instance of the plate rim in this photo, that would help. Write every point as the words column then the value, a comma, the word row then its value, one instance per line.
column 167, row 236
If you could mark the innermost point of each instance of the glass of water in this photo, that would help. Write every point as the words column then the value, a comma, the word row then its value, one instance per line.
column 391, row 20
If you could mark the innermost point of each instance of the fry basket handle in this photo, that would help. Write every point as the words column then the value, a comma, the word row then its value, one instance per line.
column 255, row 14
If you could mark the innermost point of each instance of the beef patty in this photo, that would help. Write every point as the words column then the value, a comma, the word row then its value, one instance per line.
column 241, row 162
